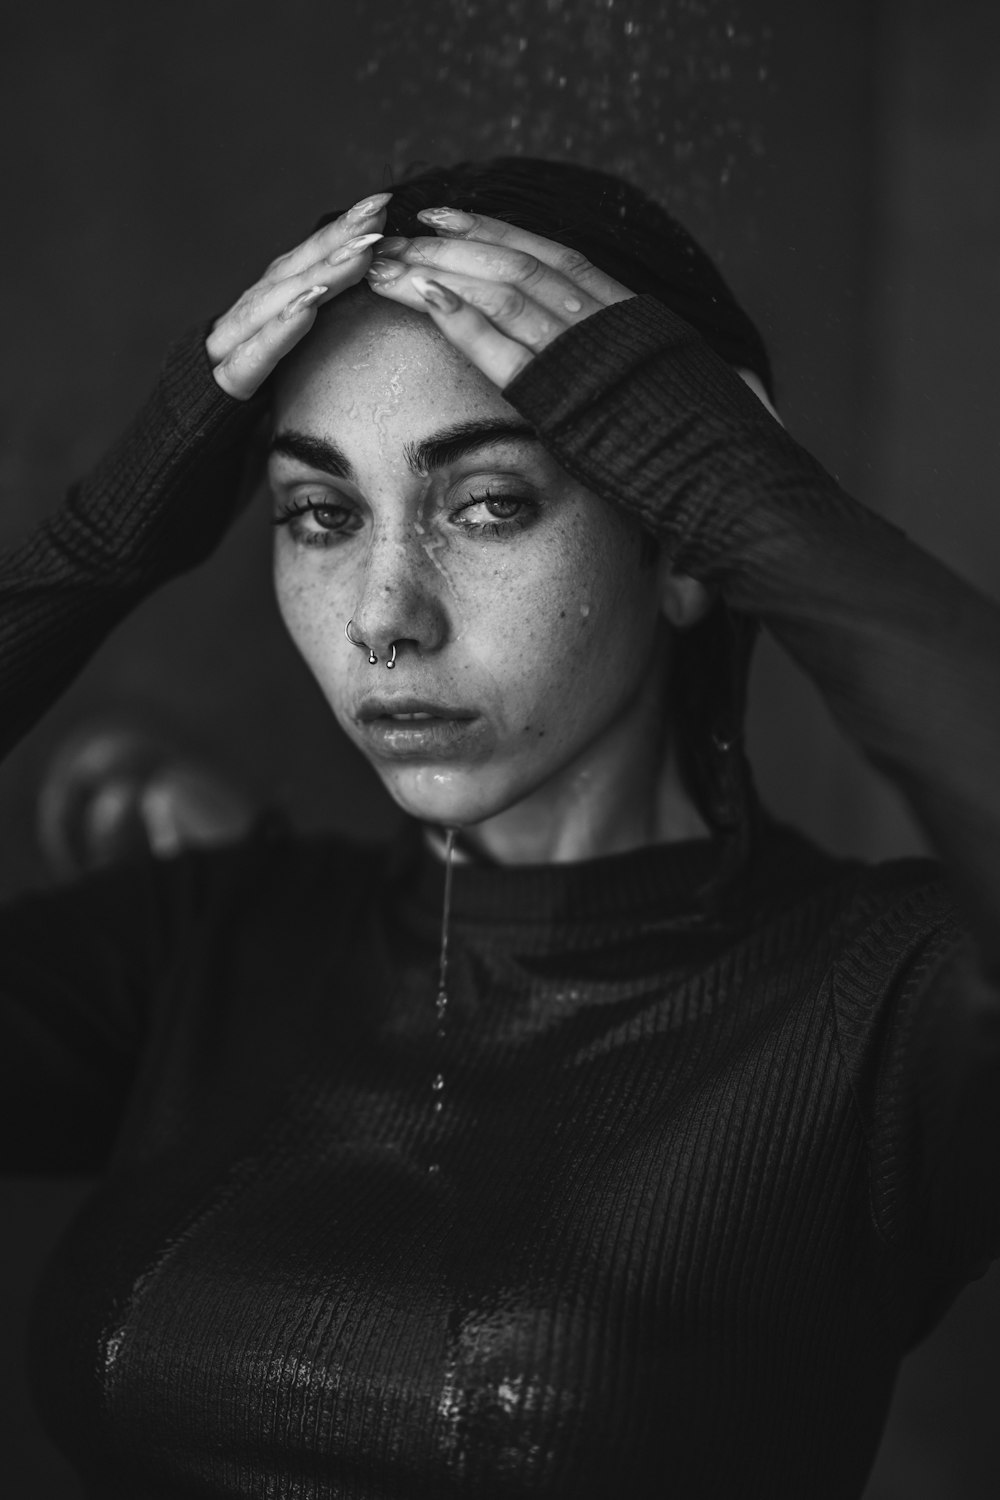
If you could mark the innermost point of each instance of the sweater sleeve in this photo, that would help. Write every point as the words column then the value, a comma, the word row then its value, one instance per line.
column 78, row 967
column 154, row 507
column 636, row 406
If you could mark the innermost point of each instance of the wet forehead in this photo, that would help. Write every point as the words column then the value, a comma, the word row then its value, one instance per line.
column 377, row 380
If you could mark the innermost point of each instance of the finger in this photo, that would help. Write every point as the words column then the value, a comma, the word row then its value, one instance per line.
column 512, row 311
column 342, row 268
column 248, row 364
column 499, row 263
column 457, row 224
column 470, row 331
column 363, row 217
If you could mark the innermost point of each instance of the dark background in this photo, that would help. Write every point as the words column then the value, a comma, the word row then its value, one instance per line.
column 840, row 157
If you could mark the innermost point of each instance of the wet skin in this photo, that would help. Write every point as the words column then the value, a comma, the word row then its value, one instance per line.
column 528, row 618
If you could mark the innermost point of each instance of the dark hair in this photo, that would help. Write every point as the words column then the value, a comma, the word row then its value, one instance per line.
column 634, row 239
column 615, row 225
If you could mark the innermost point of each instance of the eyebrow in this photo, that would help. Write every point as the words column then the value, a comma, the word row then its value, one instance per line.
column 445, row 447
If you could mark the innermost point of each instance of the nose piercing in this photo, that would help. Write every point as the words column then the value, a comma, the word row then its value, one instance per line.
column 372, row 658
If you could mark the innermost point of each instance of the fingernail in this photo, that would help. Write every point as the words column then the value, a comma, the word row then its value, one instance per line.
column 440, row 297
column 352, row 248
column 394, row 244
column 382, row 270
column 447, row 218
column 304, row 299
column 368, row 206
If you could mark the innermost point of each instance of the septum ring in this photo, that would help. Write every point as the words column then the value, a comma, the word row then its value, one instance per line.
column 372, row 658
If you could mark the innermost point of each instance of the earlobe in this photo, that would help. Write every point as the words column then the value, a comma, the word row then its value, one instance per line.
column 683, row 600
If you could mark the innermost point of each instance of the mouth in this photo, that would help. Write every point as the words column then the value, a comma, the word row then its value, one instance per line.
column 416, row 728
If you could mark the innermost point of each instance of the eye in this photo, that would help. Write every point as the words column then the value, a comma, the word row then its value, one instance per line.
column 317, row 521
column 495, row 513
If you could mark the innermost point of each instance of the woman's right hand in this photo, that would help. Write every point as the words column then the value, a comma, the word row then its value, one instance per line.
column 278, row 310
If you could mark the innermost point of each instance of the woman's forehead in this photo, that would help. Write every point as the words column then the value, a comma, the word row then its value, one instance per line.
column 370, row 362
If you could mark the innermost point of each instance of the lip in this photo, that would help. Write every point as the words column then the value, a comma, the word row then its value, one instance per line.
column 442, row 731
column 383, row 706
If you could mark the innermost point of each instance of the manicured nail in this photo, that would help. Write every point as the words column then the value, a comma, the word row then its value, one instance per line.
column 440, row 297
column 447, row 218
column 351, row 249
column 394, row 244
column 382, row 270
column 368, row 206
column 304, row 299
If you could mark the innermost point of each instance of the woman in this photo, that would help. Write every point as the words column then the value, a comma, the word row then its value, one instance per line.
column 639, row 1173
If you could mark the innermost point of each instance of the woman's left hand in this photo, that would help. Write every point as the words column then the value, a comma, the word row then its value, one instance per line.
column 498, row 293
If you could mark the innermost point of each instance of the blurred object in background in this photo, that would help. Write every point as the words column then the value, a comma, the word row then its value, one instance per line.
column 115, row 792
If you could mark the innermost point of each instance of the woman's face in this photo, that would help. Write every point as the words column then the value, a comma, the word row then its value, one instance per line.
column 413, row 501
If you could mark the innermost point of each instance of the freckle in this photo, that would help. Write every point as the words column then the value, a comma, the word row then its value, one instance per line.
column 572, row 304
column 541, row 734
column 562, row 614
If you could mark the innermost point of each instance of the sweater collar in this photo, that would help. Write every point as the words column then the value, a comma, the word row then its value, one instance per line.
column 661, row 880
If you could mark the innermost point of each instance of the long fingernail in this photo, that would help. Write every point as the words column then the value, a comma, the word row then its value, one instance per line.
column 382, row 270
column 440, row 297
column 368, row 206
column 447, row 218
column 352, row 248
column 394, row 244
column 304, row 299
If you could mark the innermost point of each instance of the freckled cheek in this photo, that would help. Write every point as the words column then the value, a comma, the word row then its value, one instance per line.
column 544, row 647
column 312, row 616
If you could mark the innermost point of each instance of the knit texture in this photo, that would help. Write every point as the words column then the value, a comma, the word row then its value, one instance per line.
column 660, row 1206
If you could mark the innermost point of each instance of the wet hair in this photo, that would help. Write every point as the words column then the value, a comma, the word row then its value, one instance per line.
column 636, row 240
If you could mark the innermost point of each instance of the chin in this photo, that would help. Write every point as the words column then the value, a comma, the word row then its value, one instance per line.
column 450, row 796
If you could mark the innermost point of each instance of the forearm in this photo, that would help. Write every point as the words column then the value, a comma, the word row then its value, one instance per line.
column 155, row 506
column 906, row 655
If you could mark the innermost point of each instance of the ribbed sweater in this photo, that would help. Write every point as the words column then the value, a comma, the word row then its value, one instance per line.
column 660, row 1207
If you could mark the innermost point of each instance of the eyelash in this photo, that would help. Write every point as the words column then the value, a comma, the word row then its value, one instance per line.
column 493, row 530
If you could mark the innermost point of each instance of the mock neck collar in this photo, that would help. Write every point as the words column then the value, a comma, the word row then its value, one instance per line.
column 660, row 880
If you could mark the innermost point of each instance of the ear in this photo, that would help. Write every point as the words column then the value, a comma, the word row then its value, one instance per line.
column 683, row 600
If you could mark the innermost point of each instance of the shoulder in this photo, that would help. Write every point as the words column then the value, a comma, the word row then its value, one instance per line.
column 862, row 929
column 890, row 903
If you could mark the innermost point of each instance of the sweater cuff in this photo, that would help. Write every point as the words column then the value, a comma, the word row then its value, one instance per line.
column 619, row 346
column 162, row 496
column 195, row 400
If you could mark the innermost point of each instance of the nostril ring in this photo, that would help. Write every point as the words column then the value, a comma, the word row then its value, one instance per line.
column 372, row 658
column 392, row 659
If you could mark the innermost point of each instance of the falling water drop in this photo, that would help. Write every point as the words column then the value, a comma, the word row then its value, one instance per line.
column 441, row 999
column 441, row 1002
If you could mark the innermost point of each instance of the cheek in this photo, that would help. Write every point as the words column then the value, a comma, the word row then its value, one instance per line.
column 313, row 615
column 568, row 631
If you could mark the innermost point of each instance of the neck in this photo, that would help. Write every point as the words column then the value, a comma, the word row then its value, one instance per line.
column 624, row 791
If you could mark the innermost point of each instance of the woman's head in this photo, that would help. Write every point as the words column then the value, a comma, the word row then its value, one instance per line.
column 540, row 622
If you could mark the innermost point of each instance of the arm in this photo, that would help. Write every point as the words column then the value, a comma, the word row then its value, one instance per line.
column 155, row 506
column 906, row 655
column 162, row 498
column 81, row 967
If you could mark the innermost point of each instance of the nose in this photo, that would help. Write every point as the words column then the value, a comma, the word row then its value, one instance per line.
column 400, row 603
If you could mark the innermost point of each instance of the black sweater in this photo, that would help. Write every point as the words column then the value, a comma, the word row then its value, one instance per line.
column 663, row 1207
